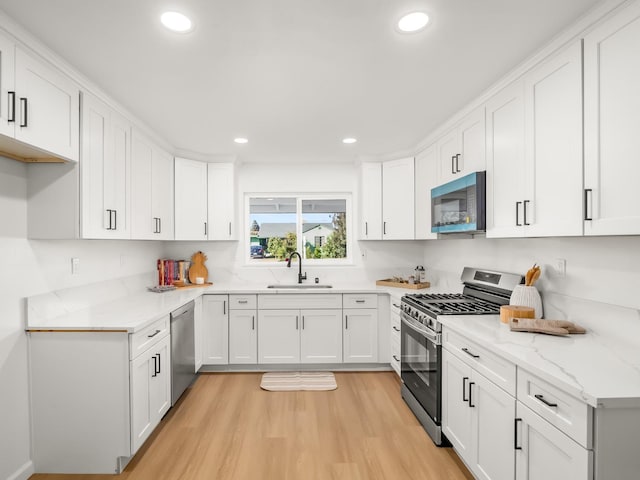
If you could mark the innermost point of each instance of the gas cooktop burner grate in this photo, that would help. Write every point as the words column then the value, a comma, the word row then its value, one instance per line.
column 452, row 304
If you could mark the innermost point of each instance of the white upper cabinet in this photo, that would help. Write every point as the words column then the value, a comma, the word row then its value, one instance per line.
column 152, row 190
column 47, row 108
column 552, row 200
column 534, row 152
column 371, row 201
column 462, row 150
column 105, row 172
column 612, row 125
column 426, row 177
column 398, row 199
column 505, row 161
column 190, row 199
column 39, row 107
column 221, row 202
column 7, row 87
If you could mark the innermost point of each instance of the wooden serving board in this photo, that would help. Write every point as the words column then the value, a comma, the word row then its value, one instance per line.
column 413, row 286
column 198, row 268
column 194, row 285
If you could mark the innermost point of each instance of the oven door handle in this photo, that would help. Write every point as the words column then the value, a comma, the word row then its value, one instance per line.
column 434, row 337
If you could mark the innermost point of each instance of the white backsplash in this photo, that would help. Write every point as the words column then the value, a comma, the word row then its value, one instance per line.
column 599, row 290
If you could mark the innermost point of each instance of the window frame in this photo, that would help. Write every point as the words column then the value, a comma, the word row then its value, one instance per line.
column 300, row 197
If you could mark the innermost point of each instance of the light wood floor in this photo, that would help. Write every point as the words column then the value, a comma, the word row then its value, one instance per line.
column 226, row 427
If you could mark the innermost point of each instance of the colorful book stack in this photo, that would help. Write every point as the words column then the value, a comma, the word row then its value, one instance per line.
column 170, row 271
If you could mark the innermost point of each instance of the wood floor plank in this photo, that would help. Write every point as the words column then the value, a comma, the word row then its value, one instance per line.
column 226, row 428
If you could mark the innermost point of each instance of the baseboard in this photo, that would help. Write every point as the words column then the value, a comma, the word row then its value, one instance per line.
column 24, row 472
column 334, row 367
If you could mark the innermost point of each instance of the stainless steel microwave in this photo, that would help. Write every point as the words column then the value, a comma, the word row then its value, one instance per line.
column 459, row 206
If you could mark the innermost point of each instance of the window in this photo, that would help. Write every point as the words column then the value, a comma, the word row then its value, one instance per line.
column 315, row 226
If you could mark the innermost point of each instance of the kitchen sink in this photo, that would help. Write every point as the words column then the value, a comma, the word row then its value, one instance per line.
column 300, row 285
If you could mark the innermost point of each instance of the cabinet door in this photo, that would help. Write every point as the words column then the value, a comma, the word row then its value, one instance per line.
column 360, row 335
column 426, row 177
column 105, row 171
column 279, row 337
column 243, row 339
column 456, row 414
column 371, row 201
column 545, row 453
column 215, row 330
column 8, row 100
column 142, row 418
column 160, row 387
column 553, row 105
column 398, row 199
column 143, row 225
column 47, row 108
column 190, row 199
column 162, row 193
column 611, row 125
column 493, row 413
column 221, row 203
column 448, row 147
column 505, row 162
column 321, row 336
column 473, row 142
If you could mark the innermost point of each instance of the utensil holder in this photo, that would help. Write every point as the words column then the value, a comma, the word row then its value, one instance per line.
column 527, row 296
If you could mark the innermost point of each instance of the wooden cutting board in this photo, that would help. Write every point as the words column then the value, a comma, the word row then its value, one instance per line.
column 198, row 268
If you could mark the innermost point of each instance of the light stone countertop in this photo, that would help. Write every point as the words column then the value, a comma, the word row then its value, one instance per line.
column 584, row 366
column 114, row 306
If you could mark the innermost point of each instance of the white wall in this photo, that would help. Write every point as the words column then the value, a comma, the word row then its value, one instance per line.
column 30, row 268
column 227, row 260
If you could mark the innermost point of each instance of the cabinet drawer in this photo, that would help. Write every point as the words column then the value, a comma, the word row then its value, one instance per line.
column 395, row 320
column 149, row 336
column 569, row 414
column 495, row 368
column 285, row 301
column 367, row 300
column 243, row 302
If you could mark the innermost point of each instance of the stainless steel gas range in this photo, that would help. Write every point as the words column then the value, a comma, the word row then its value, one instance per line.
column 421, row 338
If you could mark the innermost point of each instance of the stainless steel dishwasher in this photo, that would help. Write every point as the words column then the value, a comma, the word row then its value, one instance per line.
column 183, row 357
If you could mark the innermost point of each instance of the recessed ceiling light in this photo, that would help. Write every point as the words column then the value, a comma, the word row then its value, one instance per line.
column 413, row 22
column 349, row 140
column 241, row 140
column 176, row 22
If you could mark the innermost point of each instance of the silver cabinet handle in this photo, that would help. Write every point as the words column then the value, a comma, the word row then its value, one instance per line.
column 229, row 228
column 24, row 107
column 346, row 322
column 253, row 322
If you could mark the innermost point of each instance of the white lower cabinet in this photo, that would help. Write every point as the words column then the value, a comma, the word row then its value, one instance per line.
column 394, row 315
column 478, row 419
column 95, row 405
column 360, row 335
column 215, row 330
column 299, row 336
column 545, row 453
column 150, row 390
column 243, row 329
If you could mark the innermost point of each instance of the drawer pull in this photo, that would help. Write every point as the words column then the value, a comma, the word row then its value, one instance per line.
column 543, row 400
column 359, row 301
column 153, row 334
column 515, row 434
column 396, row 305
column 396, row 358
column 466, row 350
column 396, row 328
column 243, row 301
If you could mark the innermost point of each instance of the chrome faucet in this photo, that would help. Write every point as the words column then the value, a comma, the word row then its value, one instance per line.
column 300, row 275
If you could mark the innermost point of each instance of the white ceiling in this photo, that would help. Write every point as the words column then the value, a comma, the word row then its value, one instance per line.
column 294, row 76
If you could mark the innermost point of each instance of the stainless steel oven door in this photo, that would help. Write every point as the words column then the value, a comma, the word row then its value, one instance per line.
column 421, row 365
